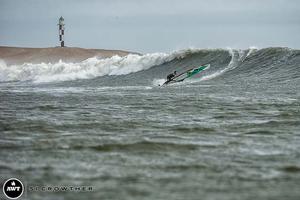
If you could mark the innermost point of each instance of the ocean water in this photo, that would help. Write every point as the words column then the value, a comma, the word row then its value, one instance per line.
column 231, row 132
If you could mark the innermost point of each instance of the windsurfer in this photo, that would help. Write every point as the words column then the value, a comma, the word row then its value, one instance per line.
column 171, row 76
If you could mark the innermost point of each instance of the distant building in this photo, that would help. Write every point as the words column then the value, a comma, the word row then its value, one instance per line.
column 61, row 29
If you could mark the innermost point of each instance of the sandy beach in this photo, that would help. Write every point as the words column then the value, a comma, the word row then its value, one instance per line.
column 20, row 55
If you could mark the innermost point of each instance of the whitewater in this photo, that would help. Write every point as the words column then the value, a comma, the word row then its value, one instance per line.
column 97, row 67
column 87, row 69
column 230, row 132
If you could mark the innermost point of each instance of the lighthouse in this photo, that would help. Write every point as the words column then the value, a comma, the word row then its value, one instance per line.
column 61, row 29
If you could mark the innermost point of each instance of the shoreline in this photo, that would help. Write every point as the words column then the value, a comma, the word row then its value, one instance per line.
column 21, row 55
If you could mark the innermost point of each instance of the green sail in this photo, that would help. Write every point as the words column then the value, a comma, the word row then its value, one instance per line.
column 195, row 71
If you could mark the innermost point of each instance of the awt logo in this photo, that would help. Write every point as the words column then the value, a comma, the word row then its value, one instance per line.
column 13, row 188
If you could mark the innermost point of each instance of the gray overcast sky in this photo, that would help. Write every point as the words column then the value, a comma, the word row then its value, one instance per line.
column 151, row 25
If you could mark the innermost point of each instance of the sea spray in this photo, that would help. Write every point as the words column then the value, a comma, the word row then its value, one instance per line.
column 87, row 69
column 223, row 62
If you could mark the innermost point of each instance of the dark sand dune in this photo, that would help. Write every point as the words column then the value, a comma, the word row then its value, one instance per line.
column 20, row 55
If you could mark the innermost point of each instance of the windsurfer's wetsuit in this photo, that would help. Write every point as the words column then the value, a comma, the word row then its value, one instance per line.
column 171, row 76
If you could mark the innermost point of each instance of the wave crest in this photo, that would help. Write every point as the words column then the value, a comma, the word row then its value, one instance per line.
column 87, row 69
column 229, row 62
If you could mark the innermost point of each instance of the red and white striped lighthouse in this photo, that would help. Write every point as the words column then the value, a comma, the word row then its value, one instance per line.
column 61, row 29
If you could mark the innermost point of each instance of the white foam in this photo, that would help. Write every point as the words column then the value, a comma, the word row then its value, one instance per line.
column 230, row 66
column 158, row 82
column 87, row 69
column 251, row 50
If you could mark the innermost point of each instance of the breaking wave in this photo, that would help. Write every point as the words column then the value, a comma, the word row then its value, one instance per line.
column 224, row 63
column 87, row 69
